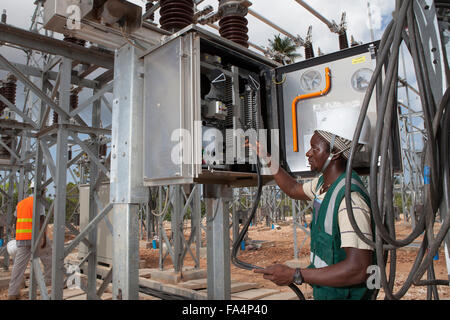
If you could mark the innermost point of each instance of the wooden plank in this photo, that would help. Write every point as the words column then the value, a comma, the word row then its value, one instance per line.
column 106, row 296
column 201, row 285
column 237, row 287
column 70, row 293
column 143, row 296
column 195, row 274
column 172, row 277
column 167, row 276
column 5, row 273
column 82, row 297
column 242, row 286
column 171, row 289
column 4, row 282
column 194, row 284
column 146, row 272
column 254, row 294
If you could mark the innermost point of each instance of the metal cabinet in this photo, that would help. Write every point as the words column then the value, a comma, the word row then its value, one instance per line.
column 203, row 94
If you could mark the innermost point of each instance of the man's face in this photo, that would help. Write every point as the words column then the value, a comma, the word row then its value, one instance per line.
column 319, row 152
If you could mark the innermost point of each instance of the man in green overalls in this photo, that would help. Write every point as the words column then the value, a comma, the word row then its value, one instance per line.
column 339, row 258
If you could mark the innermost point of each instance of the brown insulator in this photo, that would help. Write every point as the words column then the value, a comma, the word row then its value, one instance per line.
column 309, row 52
column 4, row 16
column 55, row 117
column 73, row 101
column 148, row 6
column 234, row 28
column 69, row 154
column 2, row 105
column 343, row 41
column 102, row 150
column 176, row 14
column 9, row 91
column 233, row 22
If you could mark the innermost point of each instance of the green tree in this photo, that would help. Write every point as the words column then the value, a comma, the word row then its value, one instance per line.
column 72, row 198
column 286, row 47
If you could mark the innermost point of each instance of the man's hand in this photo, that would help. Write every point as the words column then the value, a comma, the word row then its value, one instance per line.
column 258, row 148
column 279, row 274
column 261, row 152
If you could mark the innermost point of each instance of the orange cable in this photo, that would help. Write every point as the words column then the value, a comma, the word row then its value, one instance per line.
column 303, row 97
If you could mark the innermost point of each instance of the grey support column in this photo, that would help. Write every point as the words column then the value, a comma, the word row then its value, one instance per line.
column 93, row 210
column 196, row 217
column 161, row 226
column 127, row 190
column 9, row 216
column 58, row 270
column 177, row 227
column 235, row 216
column 218, row 241
column 36, row 214
column 39, row 172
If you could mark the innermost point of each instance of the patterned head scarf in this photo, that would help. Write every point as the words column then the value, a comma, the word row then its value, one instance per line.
column 342, row 145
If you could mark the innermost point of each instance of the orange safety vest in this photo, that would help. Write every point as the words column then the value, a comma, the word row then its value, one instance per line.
column 24, row 219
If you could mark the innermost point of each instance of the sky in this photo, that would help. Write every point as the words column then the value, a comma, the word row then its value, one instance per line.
column 287, row 14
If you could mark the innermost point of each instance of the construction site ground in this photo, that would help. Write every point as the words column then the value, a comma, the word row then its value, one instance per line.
column 273, row 245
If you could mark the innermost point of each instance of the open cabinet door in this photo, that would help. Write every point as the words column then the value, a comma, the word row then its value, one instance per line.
column 172, row 153
column 308, row 89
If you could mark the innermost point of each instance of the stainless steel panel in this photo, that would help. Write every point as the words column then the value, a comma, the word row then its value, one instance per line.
column 104, row 236
column 171, row 105
column 127, row 129
column 341, row 93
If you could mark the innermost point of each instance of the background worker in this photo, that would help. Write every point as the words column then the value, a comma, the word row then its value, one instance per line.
column 24, row 213
column 339, row 258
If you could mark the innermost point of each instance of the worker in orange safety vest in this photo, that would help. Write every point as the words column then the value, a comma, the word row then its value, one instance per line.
column 24, row 223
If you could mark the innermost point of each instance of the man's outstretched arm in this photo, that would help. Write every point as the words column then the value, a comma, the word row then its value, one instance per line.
column 351, row 271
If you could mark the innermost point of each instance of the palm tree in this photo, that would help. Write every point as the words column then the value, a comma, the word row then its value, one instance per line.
column 286, row 49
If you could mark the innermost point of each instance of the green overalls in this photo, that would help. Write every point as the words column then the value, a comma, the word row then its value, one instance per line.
column 326, row 238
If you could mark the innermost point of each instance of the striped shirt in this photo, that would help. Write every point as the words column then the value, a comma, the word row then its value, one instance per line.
column 361, row 212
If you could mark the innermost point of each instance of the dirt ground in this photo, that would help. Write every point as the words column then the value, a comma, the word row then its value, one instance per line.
column 278, row 247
